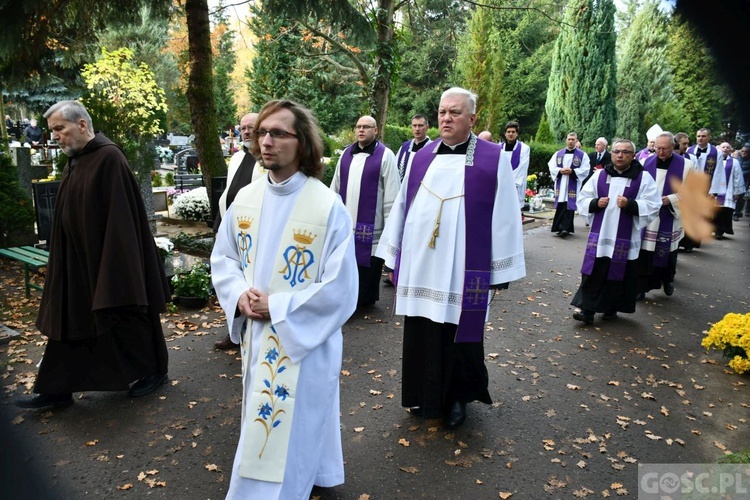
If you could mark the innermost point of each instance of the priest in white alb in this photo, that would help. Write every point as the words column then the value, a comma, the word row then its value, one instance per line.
column 367, row 179
column 568, row 168
column 516, row 155
column 284, row 271
column 619, row 201
column 657, row 261
column 453, row 235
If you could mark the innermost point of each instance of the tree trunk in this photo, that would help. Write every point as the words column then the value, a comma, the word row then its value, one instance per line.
column 385, row 59
column 200, row 91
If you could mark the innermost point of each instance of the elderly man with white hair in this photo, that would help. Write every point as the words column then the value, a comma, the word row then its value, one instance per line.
column 457, row 212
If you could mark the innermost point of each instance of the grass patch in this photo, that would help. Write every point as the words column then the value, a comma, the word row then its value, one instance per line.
column 741, row 457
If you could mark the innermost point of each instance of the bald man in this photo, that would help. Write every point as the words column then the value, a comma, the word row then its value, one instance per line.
column 367, row 179
column 240, row 172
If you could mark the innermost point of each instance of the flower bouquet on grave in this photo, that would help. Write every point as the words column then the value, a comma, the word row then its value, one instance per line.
column 732, row 336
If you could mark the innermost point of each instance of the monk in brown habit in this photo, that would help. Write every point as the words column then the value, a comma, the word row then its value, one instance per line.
column 105, row 285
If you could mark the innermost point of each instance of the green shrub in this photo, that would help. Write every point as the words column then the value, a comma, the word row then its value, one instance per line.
column 543, row 132
column 16, row 209
column 156, row 180
column 169, row 179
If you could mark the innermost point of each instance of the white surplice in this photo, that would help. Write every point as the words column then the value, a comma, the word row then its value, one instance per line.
column 735, row 186
column 234, row 165
column 650, row 235
column 430, row 280
column 520, row 175
column 389, row 184
column 647, row 198
column 581, row 172
column 309, row 324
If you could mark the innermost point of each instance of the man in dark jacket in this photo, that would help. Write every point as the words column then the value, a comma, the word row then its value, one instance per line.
column 105, row 284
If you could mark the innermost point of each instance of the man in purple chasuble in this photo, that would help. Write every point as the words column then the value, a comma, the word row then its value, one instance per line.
column 568, row 167
column 620, row 200
column 453, row 236
column 657, row 261
column 367, row 179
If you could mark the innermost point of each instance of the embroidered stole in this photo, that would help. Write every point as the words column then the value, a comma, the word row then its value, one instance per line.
column 666, row 216
column 480, row 183
column 712, row 155
column 619, row 257
column 296, row 266
column 403, row 157
column 572, row 191
column 364, row 226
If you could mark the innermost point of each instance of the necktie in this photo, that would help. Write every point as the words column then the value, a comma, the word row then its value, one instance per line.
column 598, row 158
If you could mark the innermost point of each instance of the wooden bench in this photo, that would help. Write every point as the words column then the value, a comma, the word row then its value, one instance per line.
column 31, row 257
column 188, row 181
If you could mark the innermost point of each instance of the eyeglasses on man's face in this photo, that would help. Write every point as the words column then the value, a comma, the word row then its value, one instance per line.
column 275, row 133
column 622, row 151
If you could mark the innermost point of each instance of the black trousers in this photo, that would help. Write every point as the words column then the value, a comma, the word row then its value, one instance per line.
column 652, row 278
column 599, row 294
column 563, row 220
column 438, row 371
column 369, row 282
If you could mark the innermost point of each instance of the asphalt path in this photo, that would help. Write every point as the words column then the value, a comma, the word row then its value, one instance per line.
column 576, row 408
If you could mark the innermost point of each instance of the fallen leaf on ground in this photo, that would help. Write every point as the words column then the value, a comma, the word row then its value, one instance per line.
column 403, row 442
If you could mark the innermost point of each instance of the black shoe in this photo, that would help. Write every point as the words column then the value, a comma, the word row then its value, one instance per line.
column 456, row 415
column 587, row 319
column 642, row 295
column 45, row 401
column 224, row 344
column 147, row 385
column 563, row 234
column 736, row 218
column 610, row 316
column 388, row 282
column 417, row 411
column 669, row 288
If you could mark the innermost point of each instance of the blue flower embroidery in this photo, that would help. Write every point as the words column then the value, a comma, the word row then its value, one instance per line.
column 265, row 411
column 281, row 392
column 269, row 415
column 272, row 354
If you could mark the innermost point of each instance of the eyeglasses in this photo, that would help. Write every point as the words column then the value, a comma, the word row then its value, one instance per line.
column 274, row 133
column 364, row 127
column 622, row 151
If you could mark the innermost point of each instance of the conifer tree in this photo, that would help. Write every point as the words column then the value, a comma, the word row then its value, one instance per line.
column 644, row 74
column 582, row 84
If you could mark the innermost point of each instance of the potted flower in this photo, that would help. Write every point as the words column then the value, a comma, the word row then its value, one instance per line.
column 732, row 336
column 193, row 287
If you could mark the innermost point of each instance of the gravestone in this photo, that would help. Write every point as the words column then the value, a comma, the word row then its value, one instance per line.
column 27, row 172
column 45, row 194
column 147, row 194
column 191, row 164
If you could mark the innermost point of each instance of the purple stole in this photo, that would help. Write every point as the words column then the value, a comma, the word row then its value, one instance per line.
column 643, row 153
column 728, row 172
column 403, row 157
column 480, row 183
column 712, row 155
column 624, row 230
column 515, row 157
column 364, row 228
column 666, row 217
column 572, row 193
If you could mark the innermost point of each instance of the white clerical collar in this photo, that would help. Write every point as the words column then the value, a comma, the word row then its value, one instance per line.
column 287, row 186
